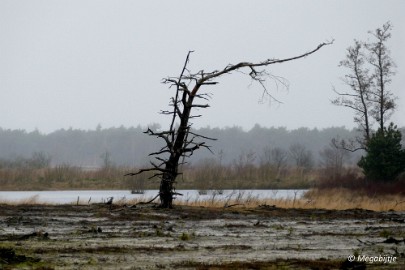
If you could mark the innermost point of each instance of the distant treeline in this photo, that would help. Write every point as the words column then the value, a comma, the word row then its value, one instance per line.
column 130, row 147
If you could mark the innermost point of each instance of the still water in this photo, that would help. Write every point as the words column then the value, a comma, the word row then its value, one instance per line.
column 97, row 196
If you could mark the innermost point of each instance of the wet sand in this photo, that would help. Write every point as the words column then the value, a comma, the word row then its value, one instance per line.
column 145, row 237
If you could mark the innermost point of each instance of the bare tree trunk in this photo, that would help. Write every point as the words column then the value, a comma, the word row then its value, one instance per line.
column 178, row 142
column 166, row 190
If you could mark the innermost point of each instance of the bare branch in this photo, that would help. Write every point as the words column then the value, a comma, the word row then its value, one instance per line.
column 142, row 171
column 200, row 106
column 201, row 136
column 254, row 74
column 343, row 144
column 178, row 144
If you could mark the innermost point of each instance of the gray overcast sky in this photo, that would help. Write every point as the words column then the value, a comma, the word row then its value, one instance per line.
column 82, row 63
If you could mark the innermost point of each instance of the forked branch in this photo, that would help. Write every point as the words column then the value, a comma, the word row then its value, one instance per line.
column 178, row 143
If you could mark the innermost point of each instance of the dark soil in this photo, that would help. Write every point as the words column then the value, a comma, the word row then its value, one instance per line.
column 145, row 237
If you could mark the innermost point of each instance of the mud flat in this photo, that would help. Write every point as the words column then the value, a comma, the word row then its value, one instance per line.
column 265, row 237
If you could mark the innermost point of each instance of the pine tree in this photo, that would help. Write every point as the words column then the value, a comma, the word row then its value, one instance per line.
column 385, row 158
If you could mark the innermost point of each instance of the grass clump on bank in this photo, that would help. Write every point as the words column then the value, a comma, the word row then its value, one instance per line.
column 343, row 198
column 332, row 199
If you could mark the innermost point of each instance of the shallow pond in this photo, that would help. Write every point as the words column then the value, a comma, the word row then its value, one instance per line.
column 96, row 196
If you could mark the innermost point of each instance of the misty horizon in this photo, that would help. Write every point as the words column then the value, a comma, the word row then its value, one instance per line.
column 80, row 63
column 130, row 146
column 160, row 127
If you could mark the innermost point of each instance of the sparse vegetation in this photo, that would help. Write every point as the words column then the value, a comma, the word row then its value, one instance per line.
column 185, row 236
column 374, row 198
column 343, row 198
column 197, row 176
column 146, row 237
column 333, row 199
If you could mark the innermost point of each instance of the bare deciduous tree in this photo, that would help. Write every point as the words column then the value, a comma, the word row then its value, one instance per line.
column 279, row 158
column 244, row 165
column 180, row 140
column 360, row 82
column 276, row 158
column 302, row 157
column 333, row 159
column 370, row 70
column 382, row 67
column 107, row 161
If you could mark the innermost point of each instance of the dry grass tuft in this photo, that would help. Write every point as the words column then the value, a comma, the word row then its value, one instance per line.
column 33, row 200
column 334, row 199
column 342, row 198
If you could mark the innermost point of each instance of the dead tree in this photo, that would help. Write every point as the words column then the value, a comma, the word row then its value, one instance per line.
column 180, row 141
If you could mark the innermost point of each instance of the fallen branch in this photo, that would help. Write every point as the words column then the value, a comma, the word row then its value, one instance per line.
column 266, row 206
column 232, row 205
column 148, row 202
